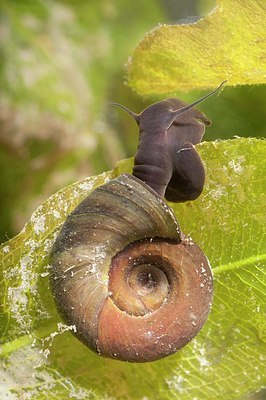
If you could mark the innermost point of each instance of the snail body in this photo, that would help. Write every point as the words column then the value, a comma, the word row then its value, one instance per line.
column 166, row 158
column 123, row 273
column 135, row 287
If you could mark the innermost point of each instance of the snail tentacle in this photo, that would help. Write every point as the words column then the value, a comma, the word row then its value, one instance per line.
column 195, row 103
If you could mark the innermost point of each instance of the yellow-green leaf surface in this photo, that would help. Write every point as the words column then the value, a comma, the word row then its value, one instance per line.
column 39, row 357
column 227, row 44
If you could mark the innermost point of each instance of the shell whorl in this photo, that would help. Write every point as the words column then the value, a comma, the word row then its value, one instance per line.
column 123, row 273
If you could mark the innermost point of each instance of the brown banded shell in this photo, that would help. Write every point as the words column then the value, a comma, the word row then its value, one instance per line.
column 135, row 288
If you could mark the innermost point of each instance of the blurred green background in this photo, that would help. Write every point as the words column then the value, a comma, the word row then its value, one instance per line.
column 61, row 64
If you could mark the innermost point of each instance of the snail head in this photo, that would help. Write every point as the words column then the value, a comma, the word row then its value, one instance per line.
column 161, row 115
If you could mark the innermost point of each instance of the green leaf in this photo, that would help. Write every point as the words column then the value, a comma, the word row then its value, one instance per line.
column 41, row 359
column 227, row 44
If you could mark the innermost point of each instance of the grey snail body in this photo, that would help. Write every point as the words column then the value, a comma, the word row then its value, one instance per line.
column 136, row 288
column 166, row 158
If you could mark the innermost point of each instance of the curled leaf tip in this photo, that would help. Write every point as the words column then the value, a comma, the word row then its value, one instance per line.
column 167, row 59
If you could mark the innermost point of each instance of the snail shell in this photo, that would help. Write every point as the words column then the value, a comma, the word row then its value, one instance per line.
column 123, row 273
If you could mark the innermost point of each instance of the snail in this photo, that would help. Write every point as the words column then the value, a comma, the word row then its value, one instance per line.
column 134, row 285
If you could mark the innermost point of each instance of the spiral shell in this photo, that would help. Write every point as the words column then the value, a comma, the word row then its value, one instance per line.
column 123, row 273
